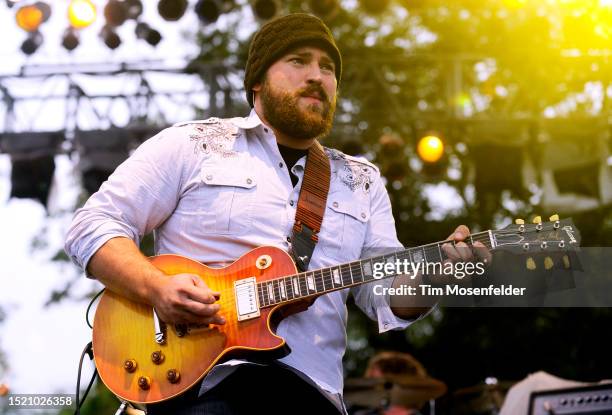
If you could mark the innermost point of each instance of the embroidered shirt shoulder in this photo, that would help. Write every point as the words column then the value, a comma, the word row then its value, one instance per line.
column 213, row 136
column 356, row 173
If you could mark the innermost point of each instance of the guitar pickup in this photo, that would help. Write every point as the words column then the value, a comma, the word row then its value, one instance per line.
column 247, row 302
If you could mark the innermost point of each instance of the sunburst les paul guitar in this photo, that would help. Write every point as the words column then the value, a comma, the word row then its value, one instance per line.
column 141, row 359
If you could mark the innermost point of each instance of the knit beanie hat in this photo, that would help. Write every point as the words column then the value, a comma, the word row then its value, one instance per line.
column 281, row 35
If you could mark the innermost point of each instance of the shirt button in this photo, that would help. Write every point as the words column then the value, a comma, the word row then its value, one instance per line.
column 291, row 202
column 288, row 239
column 249, row 181
column 385, row 324
column 265, row 129
column 280, row 165
column 363, row 215
column 335, row 204
column 209, row 177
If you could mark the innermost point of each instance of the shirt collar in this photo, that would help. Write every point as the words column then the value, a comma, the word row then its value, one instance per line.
column 248, row 123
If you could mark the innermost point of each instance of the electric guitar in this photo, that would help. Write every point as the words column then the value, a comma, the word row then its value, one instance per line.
column 141, row 359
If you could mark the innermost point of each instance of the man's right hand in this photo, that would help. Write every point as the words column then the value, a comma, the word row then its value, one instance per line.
column 183, row 299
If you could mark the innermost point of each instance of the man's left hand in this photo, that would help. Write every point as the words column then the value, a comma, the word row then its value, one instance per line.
column 457, row 250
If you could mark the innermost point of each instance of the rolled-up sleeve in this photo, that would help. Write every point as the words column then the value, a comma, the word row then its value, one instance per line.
column 381, row 238
column 141, row 193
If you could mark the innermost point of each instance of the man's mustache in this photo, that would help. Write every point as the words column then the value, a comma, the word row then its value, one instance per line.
column 314, row 90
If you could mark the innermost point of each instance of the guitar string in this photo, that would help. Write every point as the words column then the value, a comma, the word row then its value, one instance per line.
column 479, row 237
column 319, row 279
column 404, row 251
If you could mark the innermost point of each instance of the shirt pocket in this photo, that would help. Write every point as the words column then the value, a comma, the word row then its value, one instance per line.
column 344, row 227
column 226, row 197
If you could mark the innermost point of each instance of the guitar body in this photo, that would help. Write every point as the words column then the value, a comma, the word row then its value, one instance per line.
column 124, row 330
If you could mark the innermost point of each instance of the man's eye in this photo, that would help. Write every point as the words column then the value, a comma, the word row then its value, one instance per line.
column 298, row 61
column 327, row 67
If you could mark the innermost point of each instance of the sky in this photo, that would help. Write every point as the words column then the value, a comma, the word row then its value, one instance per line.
column 43, row 344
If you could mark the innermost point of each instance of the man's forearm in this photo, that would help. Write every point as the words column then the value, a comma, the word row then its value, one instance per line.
column 122, row 268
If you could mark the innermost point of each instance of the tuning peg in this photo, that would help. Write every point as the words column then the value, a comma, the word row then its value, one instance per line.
column 538, row 221
column 555, row 218
column 548, row 262
column 519, row 221
column 531, row 265
column 566, row 261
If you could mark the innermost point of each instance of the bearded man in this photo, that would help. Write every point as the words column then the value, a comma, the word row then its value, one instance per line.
column 214, row 189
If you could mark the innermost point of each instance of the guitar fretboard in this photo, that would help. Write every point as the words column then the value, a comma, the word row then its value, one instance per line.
column 324, row 280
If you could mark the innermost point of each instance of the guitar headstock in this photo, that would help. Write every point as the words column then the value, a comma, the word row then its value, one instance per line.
column 555, row 236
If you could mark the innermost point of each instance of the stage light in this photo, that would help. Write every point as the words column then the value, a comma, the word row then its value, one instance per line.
column 430, row 149
column 208, row 11
column 70, row 41
column 265, row 9
column 134, row 8
column 32, row 43
column 110, row 37
column 115, row 13
column 148, row 34
column 29, row 18
column 172, row 10
column 81, row 13
column 324, row 8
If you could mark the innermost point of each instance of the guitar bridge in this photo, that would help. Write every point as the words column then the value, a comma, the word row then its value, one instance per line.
column 247, row 302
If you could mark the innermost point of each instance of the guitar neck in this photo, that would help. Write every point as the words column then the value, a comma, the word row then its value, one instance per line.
column 321, row 281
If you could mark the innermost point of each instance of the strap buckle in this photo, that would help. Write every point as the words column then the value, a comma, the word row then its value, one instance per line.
column 303, row 241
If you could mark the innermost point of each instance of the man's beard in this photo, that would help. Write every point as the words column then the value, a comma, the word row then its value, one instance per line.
column 281, row 109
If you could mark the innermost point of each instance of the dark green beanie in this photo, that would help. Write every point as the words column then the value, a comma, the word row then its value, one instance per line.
column 281, row 35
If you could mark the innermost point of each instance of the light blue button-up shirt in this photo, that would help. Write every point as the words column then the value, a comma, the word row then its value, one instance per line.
column 212, row 190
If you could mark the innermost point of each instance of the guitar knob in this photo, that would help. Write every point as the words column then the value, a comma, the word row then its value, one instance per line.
column 548, row 262
column 130, row 365
column 144, row 383
column 519, row 221
column 531, row 265
column 173, row 376
column 158, row 357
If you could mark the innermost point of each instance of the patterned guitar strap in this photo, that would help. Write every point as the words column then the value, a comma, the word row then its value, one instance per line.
column 311, row 206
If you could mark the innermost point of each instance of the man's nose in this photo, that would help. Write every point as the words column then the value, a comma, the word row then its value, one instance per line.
column 314, row 73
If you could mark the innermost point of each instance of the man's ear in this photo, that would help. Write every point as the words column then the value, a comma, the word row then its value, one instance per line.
column 256, row 87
